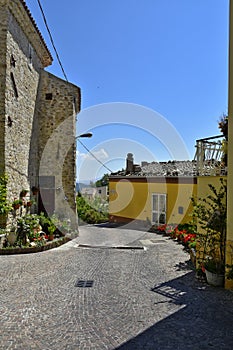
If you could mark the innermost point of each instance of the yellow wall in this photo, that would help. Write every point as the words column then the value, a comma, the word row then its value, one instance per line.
column 131, row 199
column 128, row 199
column 203, row 189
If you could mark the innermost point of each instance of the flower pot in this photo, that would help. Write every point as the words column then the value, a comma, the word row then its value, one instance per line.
column 35, row 190
column 50, row 237
column 11, row 237
column 214, row 279
column 23, row 193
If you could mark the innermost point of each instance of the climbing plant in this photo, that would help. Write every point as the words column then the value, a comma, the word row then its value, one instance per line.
column 4, row 204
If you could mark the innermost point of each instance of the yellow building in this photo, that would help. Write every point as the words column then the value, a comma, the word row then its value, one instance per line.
column 167, row 199
column 155, row 200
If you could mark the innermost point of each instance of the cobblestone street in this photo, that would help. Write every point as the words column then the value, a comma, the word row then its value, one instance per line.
column 77, row 298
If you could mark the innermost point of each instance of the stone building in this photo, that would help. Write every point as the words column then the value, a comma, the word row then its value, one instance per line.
column 37, row 115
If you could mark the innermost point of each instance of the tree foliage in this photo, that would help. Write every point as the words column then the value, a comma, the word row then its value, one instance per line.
column 89, row 212
column 104, row 181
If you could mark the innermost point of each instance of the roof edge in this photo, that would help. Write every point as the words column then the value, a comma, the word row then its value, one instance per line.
column 20, row 8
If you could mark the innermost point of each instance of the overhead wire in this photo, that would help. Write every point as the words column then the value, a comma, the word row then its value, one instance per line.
column 63, row 71
column 92, row 154
column 51, row 39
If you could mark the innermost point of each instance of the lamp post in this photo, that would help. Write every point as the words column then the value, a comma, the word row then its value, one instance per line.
column 87, row 135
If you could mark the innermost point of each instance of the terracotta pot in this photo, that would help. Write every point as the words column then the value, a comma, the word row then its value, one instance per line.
column 50, row 237
column 35, row 190
column 23, row 193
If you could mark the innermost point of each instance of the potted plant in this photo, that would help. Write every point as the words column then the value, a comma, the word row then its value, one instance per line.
column 35, row 190
column 49, row 225
column 28, row 204
column 51, row 230
column 210, row 213
column 223, row 125
column 16, row 204
column 11, row 236
column 23, row 193
column 214, row 270
column 28, row 227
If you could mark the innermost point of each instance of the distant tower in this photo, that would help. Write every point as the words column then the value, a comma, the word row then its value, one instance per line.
column 129, row 163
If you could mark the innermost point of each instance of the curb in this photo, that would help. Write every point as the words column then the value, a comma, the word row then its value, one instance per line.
column 111, row 247
column 28, row 250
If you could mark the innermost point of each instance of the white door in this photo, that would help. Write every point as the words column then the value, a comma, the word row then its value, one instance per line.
column 159, row 208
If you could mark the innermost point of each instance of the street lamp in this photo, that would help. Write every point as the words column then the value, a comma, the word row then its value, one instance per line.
column 88, row 135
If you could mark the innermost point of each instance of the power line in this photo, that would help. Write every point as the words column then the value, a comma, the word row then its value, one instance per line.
column 63, row 71
column 92, row 154
column 51, row 39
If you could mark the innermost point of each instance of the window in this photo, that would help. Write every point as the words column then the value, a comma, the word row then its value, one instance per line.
column 49, row 96
column 159, row 208
column 30, row 55
column 181, row 210
column 12, row 61
column 14, row 85
column 9, row 121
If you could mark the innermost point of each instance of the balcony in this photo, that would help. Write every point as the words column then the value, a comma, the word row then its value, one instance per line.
column 211, row 156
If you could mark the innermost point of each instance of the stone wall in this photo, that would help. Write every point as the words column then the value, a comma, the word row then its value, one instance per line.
column 22, row 79
column 58, row 104
column 37, row 114
column 3, row 33
column 23, row 16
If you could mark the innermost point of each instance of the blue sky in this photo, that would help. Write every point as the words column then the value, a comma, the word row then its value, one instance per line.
column 169, row 56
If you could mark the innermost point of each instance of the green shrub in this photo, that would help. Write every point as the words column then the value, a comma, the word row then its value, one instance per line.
column 89, row 213
column 5, row 207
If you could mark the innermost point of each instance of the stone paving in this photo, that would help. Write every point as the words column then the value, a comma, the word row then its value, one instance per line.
column 76, row 298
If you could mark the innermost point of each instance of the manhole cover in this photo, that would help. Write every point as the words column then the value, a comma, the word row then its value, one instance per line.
column 84, row 284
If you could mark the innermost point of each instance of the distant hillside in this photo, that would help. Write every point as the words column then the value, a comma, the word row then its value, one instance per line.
column 81, row 185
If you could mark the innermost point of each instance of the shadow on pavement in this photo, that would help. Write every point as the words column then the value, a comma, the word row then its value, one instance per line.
column 204, row 319
column 126, row 226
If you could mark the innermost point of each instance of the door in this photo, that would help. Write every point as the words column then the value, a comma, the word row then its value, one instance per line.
column 159, row 208
column 46, row 202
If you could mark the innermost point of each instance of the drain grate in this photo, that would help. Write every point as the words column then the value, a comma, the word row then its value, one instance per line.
column 158, row 241
column 84, row 283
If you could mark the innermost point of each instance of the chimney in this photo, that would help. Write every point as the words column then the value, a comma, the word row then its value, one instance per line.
column 129, row 163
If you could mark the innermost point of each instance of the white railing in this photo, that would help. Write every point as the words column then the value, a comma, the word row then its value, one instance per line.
column 210, row 156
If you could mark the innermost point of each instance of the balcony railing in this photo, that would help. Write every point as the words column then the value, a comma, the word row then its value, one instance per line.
column 211, row 156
